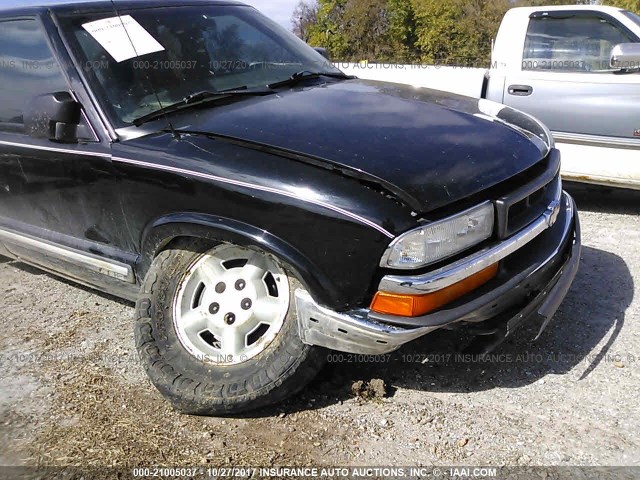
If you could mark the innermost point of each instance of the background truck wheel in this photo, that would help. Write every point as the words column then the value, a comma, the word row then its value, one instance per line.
column 217, row 332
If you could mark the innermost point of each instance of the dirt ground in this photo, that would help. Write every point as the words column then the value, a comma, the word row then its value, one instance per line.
column 72, row 392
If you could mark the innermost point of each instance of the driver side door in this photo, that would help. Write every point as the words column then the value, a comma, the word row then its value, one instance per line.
column 59, row 206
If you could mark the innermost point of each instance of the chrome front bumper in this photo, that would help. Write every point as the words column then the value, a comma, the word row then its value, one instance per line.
column 358, row 332
column 349, row 332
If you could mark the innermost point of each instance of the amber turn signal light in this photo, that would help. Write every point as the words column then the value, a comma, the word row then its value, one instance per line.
column 416, row 305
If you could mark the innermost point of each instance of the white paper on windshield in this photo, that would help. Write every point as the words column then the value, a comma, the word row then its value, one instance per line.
column 123, row 37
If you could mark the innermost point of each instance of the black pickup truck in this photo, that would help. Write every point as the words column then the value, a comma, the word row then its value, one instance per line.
column 260, row 206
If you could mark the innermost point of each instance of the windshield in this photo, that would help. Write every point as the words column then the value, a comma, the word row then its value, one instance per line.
column 632, row 16
column 148, row 58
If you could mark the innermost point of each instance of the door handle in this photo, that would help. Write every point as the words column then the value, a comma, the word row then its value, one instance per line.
column 520, row 90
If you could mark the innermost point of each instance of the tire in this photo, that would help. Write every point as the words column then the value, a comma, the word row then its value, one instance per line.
column 179, row 356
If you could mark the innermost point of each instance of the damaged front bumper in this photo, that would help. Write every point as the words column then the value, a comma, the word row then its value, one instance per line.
column 537, row 268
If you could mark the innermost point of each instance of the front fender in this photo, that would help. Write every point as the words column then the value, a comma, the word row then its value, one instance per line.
column 164, row 230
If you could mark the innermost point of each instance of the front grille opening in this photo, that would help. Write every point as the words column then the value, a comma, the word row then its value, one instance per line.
column 537, row 197
column 518, row 208
column 525, row 211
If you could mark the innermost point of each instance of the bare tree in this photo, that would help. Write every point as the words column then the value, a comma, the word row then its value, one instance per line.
column 304, row 17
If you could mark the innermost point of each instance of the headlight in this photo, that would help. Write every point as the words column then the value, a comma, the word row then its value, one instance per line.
column 441, row 239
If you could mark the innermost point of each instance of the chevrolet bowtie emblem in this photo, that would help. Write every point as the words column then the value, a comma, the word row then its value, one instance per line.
column 553, row 210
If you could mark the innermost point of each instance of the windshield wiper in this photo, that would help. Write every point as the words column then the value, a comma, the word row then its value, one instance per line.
column 201, row 98
column 304, row 75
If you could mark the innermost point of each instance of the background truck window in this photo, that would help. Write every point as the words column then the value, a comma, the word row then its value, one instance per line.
column 573, row 44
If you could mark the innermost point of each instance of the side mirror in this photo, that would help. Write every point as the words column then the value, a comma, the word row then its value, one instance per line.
column 625, row 56
column 54, row 116
column 323, row 51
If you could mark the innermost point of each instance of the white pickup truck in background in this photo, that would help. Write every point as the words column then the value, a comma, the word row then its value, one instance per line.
column 576, row 68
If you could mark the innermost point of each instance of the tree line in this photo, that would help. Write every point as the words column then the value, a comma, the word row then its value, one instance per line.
column 454, row 32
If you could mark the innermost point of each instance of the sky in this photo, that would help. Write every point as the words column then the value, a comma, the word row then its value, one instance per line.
column 278, row 10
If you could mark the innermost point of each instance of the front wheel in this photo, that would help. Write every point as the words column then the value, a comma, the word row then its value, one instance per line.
column 217, row 330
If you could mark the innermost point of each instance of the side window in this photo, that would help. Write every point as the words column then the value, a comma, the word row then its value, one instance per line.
column 27, row 69
column 571, row 44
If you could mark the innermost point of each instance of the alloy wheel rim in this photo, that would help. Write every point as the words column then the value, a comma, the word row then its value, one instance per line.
column 231, row 305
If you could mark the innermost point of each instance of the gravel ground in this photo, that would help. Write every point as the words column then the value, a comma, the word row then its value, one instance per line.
column 73, row 393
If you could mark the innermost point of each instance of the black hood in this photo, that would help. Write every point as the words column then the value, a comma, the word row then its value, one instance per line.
column 429, row 147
